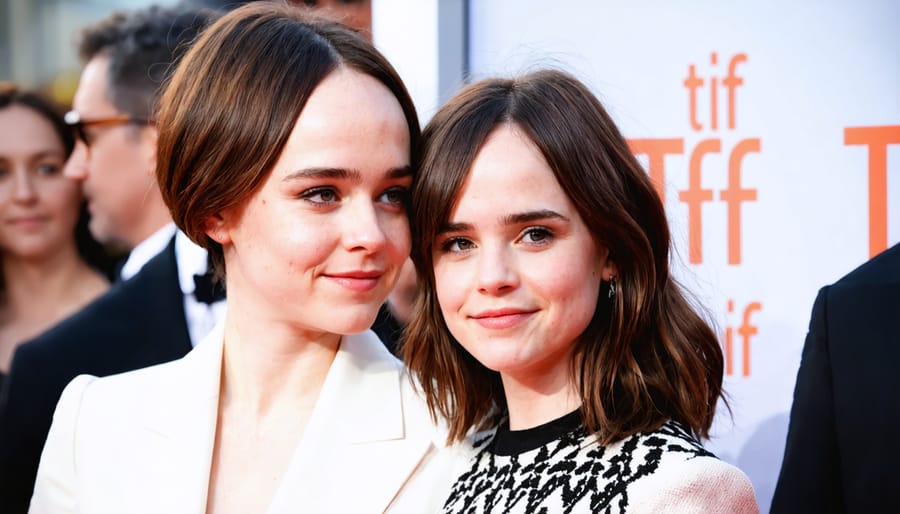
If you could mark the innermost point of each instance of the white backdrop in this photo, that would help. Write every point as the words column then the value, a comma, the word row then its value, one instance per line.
column 775, row 133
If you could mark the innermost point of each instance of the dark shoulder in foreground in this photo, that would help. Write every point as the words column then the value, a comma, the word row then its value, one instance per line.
column 882, row 269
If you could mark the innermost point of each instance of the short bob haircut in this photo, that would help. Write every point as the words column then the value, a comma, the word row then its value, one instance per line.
column 230, row 106
column 647, row 356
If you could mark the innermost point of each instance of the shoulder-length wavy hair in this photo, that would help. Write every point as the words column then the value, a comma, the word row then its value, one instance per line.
column 230, row 106
column 647, row 356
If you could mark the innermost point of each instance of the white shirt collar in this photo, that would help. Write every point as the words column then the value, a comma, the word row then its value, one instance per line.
column 146, row 250
column 191, row 261
column 201, row 317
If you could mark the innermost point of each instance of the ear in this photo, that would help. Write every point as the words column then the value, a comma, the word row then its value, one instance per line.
column 609, row 270
column 607, row 266
column 217, row 227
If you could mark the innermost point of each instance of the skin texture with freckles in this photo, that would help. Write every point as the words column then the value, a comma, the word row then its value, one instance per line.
column 310, row 256
column 333, row 206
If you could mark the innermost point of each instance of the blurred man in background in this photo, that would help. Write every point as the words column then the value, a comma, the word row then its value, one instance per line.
column 157, row 310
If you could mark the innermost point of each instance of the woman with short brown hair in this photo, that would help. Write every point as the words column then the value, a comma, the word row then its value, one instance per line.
column 285, row 149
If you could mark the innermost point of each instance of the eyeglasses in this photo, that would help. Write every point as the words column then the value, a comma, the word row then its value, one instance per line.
column 73, row 119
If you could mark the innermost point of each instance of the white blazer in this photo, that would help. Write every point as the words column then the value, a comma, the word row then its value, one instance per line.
column 142, row 442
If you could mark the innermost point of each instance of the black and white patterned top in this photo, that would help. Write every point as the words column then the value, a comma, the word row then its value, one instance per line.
column 559, row 468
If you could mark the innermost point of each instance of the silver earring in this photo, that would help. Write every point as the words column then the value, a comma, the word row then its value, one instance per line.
column 612, row 287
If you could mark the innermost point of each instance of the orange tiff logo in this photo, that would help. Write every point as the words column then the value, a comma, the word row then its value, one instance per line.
column 695, row 195
column 745, row 330
column 730, row 82
column 877, row 140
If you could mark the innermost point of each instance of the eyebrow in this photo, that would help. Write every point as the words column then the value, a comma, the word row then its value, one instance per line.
column 38, row 156
column 342, row 173
column 43, row 154
column 527, row 217
column 511, row 219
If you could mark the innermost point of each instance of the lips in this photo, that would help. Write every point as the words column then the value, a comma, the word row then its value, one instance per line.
column 502, row 318
column 26, row 222
column 358, row 281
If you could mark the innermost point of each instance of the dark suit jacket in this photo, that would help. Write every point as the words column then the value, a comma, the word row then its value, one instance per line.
column 388, row 328
column 843, row 444
column 137, row 323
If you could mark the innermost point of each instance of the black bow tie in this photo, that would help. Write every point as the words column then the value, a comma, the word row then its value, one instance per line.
column 208, row 290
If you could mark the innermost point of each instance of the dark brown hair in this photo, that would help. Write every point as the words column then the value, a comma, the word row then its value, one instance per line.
column 646, row 356
column 229, row 108
column 143, row 46
column 10, row 94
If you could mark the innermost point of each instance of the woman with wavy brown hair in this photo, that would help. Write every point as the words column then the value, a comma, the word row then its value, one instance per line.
column 549, row 315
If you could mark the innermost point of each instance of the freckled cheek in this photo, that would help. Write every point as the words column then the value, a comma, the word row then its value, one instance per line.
column 561, row 283
column 450, row 287
column 309, row 254
column 577, row 294
column 396, row 233
column 302, row 245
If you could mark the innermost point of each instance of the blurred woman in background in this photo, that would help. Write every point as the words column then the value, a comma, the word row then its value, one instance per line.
column 45, row 274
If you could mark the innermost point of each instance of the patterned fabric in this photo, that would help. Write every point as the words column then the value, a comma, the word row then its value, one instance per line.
column 571, row 473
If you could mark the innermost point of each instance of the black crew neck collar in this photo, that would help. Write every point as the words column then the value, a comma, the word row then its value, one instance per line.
column 513, row 442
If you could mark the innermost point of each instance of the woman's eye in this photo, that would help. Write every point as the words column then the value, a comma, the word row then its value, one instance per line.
column 48, row 169
column 457, row 244
column 320, row 195
column 398, row 196
column 537, row 235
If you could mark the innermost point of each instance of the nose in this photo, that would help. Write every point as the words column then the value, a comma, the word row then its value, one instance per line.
column 76, row 166
column 362, row 227
column 496, row 270
column 24, row 190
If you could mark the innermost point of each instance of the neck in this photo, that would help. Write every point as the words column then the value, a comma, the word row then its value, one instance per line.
column 535, row 399
column 155, row 216
column 268, row 364
column 45, row 287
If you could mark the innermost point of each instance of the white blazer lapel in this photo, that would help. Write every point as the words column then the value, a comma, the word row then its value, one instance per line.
column 182, row 426
column 356, row 453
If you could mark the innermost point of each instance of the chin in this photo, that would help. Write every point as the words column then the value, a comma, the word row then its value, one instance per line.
column 499, row 367
column 500, row 358
column 356, row 320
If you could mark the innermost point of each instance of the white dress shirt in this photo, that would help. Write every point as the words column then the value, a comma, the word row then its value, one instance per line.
column 146, row 250
column 201, row 317
column 190, row 260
